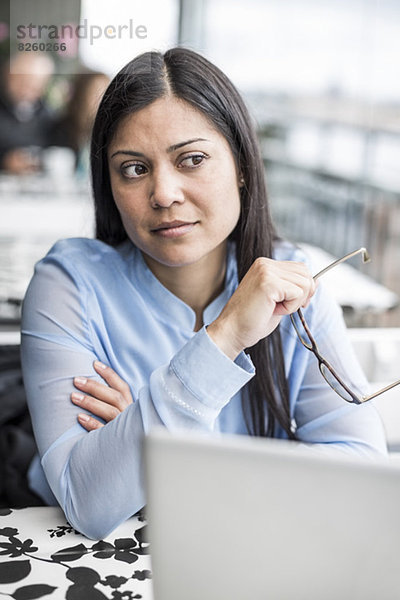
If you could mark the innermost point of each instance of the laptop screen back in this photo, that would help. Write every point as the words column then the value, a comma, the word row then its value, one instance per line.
column 240, row 518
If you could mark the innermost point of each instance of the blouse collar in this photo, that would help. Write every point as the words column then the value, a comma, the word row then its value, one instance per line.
column 169, row 308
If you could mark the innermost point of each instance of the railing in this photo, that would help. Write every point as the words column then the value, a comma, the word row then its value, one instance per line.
column 339, row 215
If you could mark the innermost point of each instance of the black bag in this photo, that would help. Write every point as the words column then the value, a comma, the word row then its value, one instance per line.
column 17, row 443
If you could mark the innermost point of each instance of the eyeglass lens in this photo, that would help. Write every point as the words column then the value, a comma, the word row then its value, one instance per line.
column 335, row 384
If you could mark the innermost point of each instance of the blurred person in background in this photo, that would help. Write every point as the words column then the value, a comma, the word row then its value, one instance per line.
column 74, row 127
column 25, row 119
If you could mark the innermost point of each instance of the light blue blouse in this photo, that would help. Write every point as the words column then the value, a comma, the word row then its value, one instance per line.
column 88, row 301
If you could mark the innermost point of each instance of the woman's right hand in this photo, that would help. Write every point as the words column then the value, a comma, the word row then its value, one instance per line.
column 269, row 290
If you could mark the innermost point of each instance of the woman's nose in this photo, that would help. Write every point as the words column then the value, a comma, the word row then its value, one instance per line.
column 166, row 189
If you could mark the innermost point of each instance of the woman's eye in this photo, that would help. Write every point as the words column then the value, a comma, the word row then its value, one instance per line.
column 133, row 170
column 192, row 161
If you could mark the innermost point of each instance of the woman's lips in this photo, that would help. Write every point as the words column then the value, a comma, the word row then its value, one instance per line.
column 173, row 229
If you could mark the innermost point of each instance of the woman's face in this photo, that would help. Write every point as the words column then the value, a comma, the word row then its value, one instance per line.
column 175, row 183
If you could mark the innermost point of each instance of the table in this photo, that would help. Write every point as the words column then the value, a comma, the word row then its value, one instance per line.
column 38, row 210
column 351, row 288
column 42, row 556
column 35, row 213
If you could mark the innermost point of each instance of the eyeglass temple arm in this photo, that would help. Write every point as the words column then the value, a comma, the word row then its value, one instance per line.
column 365, row 258
column 379, row 392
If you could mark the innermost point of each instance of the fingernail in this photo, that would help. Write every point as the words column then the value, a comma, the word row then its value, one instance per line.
column 83, row 417
column 77, row 397
column 100, row 365
column 80, row 380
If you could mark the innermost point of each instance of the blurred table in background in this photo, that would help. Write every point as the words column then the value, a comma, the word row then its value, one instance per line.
column 378, row 350
column 36, row 211
column 357, row 293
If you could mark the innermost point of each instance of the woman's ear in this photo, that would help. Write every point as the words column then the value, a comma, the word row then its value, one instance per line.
column 241, row 181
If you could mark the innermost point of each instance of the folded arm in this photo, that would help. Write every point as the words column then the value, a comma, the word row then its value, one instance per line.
column 97, row 477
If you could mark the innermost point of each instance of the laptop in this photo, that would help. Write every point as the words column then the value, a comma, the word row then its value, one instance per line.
column 240, row 518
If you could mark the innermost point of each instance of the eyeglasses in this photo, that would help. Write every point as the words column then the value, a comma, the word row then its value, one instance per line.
column 327, row 371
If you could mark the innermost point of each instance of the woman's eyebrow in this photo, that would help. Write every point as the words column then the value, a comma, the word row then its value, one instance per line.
column 129, row 152
column 181, row 144
column 169, row 149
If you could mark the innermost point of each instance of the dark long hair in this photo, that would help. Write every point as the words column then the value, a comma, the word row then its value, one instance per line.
column 192, row 78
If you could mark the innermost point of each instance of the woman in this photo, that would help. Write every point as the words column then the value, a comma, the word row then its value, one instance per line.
column 185, row 274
